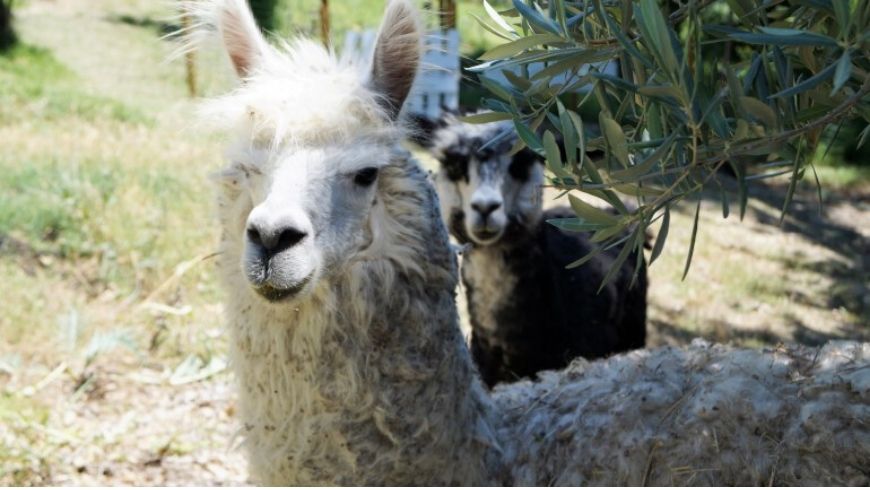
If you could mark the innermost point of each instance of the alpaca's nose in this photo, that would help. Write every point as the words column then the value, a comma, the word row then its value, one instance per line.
column 485, row 208
column 275, row 239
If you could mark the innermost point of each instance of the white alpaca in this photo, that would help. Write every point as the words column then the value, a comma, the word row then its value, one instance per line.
column 345, row 338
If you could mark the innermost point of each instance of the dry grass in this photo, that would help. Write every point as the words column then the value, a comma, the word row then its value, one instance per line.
column 756, row 283
column 111, row 347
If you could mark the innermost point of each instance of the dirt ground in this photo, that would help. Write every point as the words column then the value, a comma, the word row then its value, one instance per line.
column 132, row 429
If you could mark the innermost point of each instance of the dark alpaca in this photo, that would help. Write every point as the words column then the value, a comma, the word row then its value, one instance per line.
column 528, row 312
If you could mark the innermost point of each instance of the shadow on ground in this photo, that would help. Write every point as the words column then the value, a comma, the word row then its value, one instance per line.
column 808, row 279
column 761, row 335
column 161, row 27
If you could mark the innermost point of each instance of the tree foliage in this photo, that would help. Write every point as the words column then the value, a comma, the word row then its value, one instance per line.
column 264, row 12
column 7, row 34
column 749, row 86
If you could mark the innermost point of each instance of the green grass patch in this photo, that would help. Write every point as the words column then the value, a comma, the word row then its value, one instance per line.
column 137, row 218
column 33, row 84
column 840, row 164
column 839, row 176
column 61, row 207
column 24, row 460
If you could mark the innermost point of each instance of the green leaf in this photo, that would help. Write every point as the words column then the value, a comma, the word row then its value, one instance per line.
column 486, row 117
column 577, row 122
column 554, row 157
column 507, row 50
column 692, row 241
column 605, row 233
column 591, row 213
column 844, row 71
column 862, row 137
column 529, row 138
column 491, row 29
column 591, row 170
column 792, row 184
column 645, row 166
column 497, row 18
column 662, row 236
column 601, row 96
column 724, row 199
column 574, row 224
column 620, row 36
column 535, row 19
column 551, row 55
column 586, row 258
column 784, row 37
column 841, row 11
column 609, row 197
column 657, row 35
column 736, row 7
column 617, row 82
column 569, row 134
column 734, row 90
column 617, row 264
column 807, row 84
column 661, row 91
column 615, row 138
column 496, row 88
column 576, row 60
column 818, row 187
column 635, row 190
column 759, row 110
column 654, row 120
column 640, row 244
column 559, row 7
column 742, row 188
column 783, row 67
column 519, row 82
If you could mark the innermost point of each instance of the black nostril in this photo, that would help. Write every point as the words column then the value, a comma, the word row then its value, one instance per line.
column 288, row 238
column 254, row 237
column 275, row 241
column 486, row 208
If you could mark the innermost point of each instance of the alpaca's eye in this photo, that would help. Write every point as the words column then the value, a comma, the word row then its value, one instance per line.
column 366, row 176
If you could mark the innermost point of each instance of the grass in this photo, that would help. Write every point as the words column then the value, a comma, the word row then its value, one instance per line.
column 754, row 283
column 102, row 200
column 838, row 175
column 106, row 217
column 25, row 69
column 839, row 163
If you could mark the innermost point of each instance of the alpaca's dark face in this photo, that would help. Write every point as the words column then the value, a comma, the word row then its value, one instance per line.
column 481, row 186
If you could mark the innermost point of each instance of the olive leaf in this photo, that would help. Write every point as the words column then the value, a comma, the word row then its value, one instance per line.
column 681, row 105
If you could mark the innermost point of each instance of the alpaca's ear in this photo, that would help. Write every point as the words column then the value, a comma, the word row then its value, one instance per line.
column 397, row 55
column 241, row 36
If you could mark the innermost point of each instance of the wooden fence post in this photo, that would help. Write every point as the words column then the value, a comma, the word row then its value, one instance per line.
column 447, row 14
column 324, row 22
column 189, row 60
